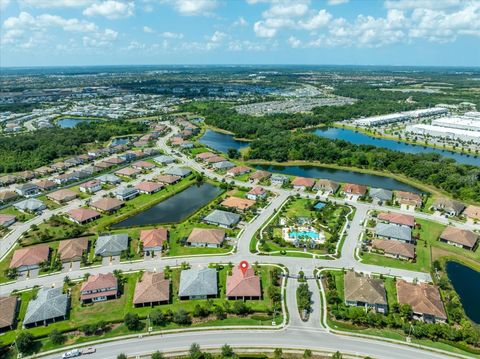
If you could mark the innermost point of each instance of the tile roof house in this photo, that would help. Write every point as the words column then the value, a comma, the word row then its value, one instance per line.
column 8, row 179
column 111, row 245
column 206, row 237
column 259, row 175
column 257, row 193
column 143, row 165
column 72, row 250
column 448, row 206
column 224, row 165
column 167, row 179
column 395, row 249
column 26, row 175
column 6, row 220
column 408, row 198
column 460, row 238
column 50, row 305
column 126, row 193
column 8, row 312
column 198, row 283
column 104, row 165
column 27, row 189
column 83, row 215
column 303, row 183
column 394, row 232
column 149, row 187
column 238, row 171
column 62, row 195
column 98, row 288
column 242, row 285
column 471, row 212
column 222, row 218
column 46, row 185
column 152, row 289
column 214, row 159
column 380, row 195
column 128, row 172
column 355, row 189
column 107, row 204
column 326, row 185
column 28, row 258
column 164, row 160
column 177, row 171
column 30, row 205
column 109, row 178
column 397, row 218
column 424, row 299
column 364, row 291
column 241, row 204
column 153, row 239
column 6, row 196
column 204, row 155
column 115, row 161
column 91, row 186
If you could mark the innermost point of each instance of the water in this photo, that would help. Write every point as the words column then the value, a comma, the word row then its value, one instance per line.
column 221, row 141
column 309, row 234
column 70, row 122
column 319, row 205
column 466, row 281
column 175, row 208
column 359, row 138
column 119, row 141
column 341, row 176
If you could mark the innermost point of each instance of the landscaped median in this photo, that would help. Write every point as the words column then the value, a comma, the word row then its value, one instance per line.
column 119, row 316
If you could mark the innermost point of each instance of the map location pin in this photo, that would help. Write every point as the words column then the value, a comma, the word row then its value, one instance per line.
column 243, row 266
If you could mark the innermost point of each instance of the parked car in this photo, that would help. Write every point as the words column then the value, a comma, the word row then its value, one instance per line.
column 72, row 354
column 89, row 350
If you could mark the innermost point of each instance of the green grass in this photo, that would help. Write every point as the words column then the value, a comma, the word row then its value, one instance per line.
column 21, row 216
column 5, row 263
column 391, row 290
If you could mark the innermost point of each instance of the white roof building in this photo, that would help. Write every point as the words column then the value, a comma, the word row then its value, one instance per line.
column 461, row 123
column 401, row 116
column 445, row 132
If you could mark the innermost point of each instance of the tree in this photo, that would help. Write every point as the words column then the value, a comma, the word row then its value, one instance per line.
column 158, row 318
column 195, row 352
column 241, row 308
column 56, row 337
column 132, row 321
column 25, row 342
column 233, row 153
column 337, row 355
column 157, row 355
column 182, row 317
column 121, row 356
column 307, row 354
column 227, row 351
column 278, row 353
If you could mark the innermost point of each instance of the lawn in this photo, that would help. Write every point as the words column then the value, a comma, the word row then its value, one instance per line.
column 21, row 216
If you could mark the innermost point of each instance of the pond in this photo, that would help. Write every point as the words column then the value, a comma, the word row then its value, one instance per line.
column 221, row 141
column 359, row 138
column 466, row 281
column 175, row 208
column 341, row 176
column 70, row 122
column 119, row 141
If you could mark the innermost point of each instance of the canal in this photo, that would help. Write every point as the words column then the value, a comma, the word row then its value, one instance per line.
column 175, row 208
column 466, row 283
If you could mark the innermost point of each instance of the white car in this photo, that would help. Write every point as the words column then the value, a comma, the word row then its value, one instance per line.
column 72, row 354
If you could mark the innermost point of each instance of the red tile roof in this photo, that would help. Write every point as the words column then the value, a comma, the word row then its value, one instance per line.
column 238, row 203
column 97, row 282
column 153, row 287
column 83, row 214
column 153, row 237
column 30, row 256
column 206, row 235
column 397, row 218
column 148, row 187
column 423, row 298
column 353, row 188
column 107, row 204
column 243, row 285
column 303, row 182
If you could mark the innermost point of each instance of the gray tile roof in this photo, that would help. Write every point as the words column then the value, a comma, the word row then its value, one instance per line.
column 223, row 217
column 31, row 204
column 111, row 178
column 198, row 282
column 50, row 303
column 111, row 245
column 393, row 231
column 223, row 165
column 381, row 194
column 177, row 171
column 164, row 159
column 278, row 178
column 125, row 191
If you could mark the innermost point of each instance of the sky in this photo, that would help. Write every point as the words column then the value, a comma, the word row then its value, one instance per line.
column 314, row 32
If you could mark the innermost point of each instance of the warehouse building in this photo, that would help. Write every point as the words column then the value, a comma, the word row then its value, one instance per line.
column 401, row 116
column 461, row 123
column 445, row 132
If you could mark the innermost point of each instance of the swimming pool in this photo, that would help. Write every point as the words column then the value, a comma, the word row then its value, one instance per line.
column 308, row 234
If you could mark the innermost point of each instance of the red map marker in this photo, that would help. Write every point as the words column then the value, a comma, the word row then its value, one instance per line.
column 243, row 266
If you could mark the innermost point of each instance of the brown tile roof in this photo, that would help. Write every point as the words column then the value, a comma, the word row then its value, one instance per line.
column 206, row 235
column 397, row 218
column 71, row 249
column 103, row 164
column 460, row 236
column 45, row 184
column 8, row 306
column 303, row 181
column 204, row 155
column 325, row 183
column 7, row 195
column 472, row 212
column 148, row 187
column 214, row 159
column 243, row 285
column 89, row 184
column 30, row 255
column 238, row 203
column 143, row 164
column 153, row 237
column 257, row 191
column 153, row 287
column 97, row 282
column 115, row 160
column 62, row 195
column 83, row 214
column 409, row 198
column 128, row 171
column 354, row 188
column 423, row 298
column 167, row 179
column 238, row 170
column 5, row 218
column 359, row 288
column 107, row 204
column 259, row 175
column 400, row 248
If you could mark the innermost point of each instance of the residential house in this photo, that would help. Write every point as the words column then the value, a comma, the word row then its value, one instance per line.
column 143, row 165
column 66, row 178
column 8, row 180
column 6, row 220
column 99, row 288
column 128, row 156
column 363, row 291
column 128, row 172
column 326, row 186
column 239, row 204
column 177, row 171
column 257, row 193
column 30, row 205
column 49, row 306
column 115, row 161
column 153, row 240
column 198, row 283
column 471, row 212
column 83, row 215
column 395, row 249
column 91, row 186
column 397, row 218
column 152, row 289
column 302, row 183
column 243, row 285
column 394, row 232
column 62, row 196
column 109, row 179
column 28, row 258
column 380, row 195
column 72, row 250
column 424, row 299
column 44, row 170
column 223, row 166
column 149, row 187
column 167, row 179
column 354, row 191
column 164, row 160
column 26, row 175
column 206, row 237
column 448, row 206
column 214, row 159
column 107, row 204
column 8, row 312
column 278, row 180
column 27, row 189
column 126, row 193
column 103, row 165
column 238, row 171
column 222, row 218
column 259, row 176
column 459, row 238
column 7, row 196
column 205, row 155
column 409, row 200
column 111, row 245
column 46, row 185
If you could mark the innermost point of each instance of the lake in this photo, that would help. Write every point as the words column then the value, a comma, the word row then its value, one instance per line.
column 359, row 138
column 175, row 208
column 466, row 283
column 221, row 141
column 341, row 176
column 70, row 122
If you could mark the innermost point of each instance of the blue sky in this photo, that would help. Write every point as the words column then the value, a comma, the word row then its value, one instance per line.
column 357, row 32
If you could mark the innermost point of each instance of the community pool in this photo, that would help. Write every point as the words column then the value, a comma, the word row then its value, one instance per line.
column 304, row 234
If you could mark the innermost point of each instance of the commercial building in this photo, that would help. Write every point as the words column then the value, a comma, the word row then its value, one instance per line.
column 445, row 132
column 401, row 116
column 461, row 123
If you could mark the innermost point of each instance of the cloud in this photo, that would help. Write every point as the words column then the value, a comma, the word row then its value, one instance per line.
column 148, row 29
column 286, row 9
column 100, row 39
column 336, row 2
column 218, row 36
column 294, row 42
column 111, row 9
column 423, row 4
column 55, row 3
column 4, row 4
column 24, row 21
column 240, row 22
column 193, row 7
column 321, row 19
column 263, row 31
column 172, row 35
column 245, row 45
